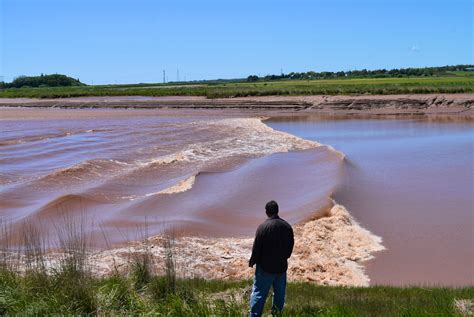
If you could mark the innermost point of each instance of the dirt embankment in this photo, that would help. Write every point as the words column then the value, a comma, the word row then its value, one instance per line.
column 376, row 104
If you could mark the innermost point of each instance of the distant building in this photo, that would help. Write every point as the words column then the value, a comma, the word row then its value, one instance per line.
column 470, row 69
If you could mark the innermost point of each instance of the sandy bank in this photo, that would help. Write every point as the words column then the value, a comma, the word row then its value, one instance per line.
column 373, row 104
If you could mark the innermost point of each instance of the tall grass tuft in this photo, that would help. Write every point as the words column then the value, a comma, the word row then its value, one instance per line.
column 170, row 259
column 168, row 287
column 163, row 287
column 141, row 263
column 6, row 241
column 73, row 242
column 33, row 245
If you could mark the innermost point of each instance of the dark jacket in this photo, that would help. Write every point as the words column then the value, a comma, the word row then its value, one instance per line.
column 273, row 245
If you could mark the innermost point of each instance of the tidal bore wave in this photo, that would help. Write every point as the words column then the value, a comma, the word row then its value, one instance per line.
column 217, row 174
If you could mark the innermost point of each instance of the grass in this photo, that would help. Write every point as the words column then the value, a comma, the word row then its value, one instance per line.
column 63, row 293
column 454, row 82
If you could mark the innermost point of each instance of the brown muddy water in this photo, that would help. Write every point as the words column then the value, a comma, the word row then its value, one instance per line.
column 409, row 181
column 199, row 175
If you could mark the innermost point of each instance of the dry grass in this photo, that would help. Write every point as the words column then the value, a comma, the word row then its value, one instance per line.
column 464, row 306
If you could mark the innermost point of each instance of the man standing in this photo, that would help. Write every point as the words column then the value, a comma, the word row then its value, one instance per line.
column 272, row 247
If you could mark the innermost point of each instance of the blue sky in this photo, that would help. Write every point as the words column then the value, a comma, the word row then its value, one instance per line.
column 105, row 41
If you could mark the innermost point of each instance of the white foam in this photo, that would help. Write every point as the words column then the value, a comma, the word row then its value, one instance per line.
column 248, row 137
column 180, row 187
column 240, row 136
column 166, row 159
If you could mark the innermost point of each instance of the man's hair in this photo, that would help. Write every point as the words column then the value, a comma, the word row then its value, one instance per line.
column 271, row 208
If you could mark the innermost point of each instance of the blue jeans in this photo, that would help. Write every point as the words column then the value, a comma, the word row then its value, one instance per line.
column 262, row 282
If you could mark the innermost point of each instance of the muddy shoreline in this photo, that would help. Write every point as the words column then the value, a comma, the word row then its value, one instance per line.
column 451, row 104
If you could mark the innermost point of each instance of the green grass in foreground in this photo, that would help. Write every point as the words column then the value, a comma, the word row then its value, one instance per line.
column 70, row 292
column 455, row 82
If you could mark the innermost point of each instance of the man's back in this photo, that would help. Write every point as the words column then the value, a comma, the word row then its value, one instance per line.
column 273, row 245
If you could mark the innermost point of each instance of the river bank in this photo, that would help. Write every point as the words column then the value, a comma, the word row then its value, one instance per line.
column 452, row 104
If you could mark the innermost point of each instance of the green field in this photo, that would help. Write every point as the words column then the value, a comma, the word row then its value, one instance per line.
column 70, row 293
column 454, row 82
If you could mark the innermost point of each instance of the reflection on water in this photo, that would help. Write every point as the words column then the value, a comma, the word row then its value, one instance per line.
column 411, row 182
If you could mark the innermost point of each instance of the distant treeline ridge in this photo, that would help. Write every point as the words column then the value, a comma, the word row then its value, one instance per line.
column 364, row 73
column 54, row 80
column 59, row 80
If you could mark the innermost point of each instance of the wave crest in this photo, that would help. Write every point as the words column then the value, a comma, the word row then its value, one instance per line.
column 180, row 187
column 85, row 170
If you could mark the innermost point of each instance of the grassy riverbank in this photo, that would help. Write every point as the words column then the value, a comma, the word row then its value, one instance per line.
column 71, row 292
column 461, row 82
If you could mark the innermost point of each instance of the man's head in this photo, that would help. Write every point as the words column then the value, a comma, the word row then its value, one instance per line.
column 271, row 208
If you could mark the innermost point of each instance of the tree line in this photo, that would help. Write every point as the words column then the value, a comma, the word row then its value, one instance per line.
column 364, row 73
column 53, row 80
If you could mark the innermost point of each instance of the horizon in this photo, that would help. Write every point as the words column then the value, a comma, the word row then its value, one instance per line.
column 123, row 42
column 236, row 79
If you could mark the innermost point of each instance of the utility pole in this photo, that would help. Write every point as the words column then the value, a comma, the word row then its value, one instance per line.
column 164, row 76
column 177, row 74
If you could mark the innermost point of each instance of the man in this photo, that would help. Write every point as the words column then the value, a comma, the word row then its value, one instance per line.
column 272, row 247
